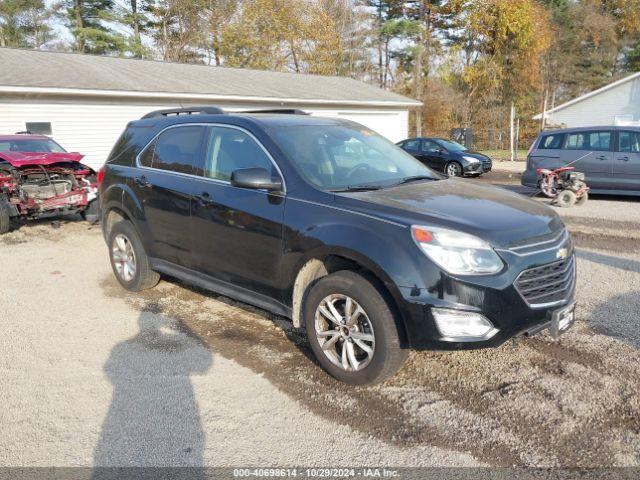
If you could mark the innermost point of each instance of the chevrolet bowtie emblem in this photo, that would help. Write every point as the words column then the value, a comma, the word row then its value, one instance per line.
column 562, row 254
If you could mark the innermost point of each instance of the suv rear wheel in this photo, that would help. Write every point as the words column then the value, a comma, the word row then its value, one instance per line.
column 129, row 261
column 352, row 330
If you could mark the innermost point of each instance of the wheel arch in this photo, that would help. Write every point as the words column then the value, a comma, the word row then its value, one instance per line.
column 111, row 216
column 323, row 263
column 120, row 203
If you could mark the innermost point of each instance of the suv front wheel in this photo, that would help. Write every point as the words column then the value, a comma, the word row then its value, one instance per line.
column 352, row 330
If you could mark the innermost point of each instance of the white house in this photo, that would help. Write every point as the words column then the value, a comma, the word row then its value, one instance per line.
column 615, row 104
column 85, row 101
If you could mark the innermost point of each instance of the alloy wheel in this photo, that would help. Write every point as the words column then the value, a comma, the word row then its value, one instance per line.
column 453, row 169
column 124, row 258
column 344, row 332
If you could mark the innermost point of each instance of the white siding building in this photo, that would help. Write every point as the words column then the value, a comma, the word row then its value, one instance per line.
column 84, row 102
column 615, row 104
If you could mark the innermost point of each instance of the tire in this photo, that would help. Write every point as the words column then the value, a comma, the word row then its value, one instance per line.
column 583, row 199
column 92, row 213
column 124, row 238
column 453, row 169
column 5, row 218
column 376, row 328
column 566, row 198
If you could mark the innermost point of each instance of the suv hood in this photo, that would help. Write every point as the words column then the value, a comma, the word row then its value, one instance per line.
column 494, row 214
column 21, row 159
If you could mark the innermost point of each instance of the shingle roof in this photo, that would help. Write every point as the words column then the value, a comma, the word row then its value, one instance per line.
column 53, row 70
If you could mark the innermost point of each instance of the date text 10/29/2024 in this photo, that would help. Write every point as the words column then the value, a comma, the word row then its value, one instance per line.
column 316, row 472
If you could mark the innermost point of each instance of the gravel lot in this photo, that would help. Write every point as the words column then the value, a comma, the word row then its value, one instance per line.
column 178, row 376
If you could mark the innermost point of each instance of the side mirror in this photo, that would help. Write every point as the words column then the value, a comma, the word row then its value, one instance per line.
column 255, row 178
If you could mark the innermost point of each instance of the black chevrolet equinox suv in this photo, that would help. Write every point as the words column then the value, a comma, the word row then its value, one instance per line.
column 325, row 222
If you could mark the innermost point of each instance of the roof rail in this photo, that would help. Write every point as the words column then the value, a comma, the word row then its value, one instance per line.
column 24, row 132
column 284, row 111
column 184, row 111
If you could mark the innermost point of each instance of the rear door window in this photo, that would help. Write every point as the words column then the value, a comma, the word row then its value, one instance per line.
column 412, row 145
column 230, row 149
column 629, row 142
column 548, row 142
column 430, row 147
column 600, row 141
column 177, row 149
column 596, row 141
column 576, row 141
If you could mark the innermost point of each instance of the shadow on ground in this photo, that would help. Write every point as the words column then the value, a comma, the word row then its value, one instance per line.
column 610, row 261
column 155, row 364
column 534, row 402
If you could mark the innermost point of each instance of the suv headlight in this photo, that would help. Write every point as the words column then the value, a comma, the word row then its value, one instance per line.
column 457, row 252
column 471, row 159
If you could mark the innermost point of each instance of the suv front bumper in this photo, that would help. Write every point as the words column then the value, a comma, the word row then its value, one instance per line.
column 507, row 310
column 423, row 334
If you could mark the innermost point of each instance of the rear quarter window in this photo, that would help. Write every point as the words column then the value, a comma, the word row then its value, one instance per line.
column 146, row 157
column 548, row 142
column 132, row 141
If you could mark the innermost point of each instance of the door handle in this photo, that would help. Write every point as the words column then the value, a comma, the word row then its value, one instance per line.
column 204, row 200
column 624, row 159
column 601, row 157
column 143, row 182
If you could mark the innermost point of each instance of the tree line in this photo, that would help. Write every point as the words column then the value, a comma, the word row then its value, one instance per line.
column 467, row 60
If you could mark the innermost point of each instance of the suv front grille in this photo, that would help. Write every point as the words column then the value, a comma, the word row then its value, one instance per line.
column 548, row 284
column 542, row 243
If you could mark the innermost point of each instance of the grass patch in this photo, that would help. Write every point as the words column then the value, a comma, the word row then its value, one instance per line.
column 504, row 155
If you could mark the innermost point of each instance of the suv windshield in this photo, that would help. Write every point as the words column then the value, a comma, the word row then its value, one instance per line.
column 44, row 145
column 338, row 157
column 451, row 145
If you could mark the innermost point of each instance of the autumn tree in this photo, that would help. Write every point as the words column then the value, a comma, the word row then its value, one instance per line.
column 349, row 24
column 626, row 18
column 279, row 35
column 466, row 60
column 216, row 15
column 177, row 27
column 494, row 57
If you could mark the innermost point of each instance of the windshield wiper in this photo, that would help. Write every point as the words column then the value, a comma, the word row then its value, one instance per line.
column 414, row 178
column 357, row 188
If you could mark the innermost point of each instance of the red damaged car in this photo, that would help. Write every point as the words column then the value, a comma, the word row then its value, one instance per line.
column 39, row 179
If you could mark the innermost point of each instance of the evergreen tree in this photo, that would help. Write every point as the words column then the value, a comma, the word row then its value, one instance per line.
column 89, row 22
column 24, row 23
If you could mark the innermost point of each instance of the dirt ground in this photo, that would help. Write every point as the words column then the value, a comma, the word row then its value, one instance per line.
column 573, row 402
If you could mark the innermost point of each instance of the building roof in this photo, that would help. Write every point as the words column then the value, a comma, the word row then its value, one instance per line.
column 35, row 71
column 593, row 93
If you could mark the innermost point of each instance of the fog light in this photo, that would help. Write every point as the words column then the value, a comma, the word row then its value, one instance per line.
column 459, row 326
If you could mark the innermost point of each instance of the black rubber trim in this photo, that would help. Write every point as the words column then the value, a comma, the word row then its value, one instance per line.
column 224, row 288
